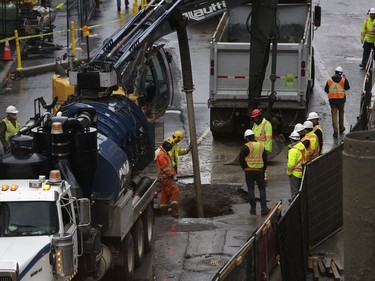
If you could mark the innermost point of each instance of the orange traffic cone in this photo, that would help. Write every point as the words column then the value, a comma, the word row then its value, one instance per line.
column 7, row 53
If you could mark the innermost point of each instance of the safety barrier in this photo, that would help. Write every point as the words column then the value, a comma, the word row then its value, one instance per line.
column 314, row 215
column 74, row 33
column 258, row 257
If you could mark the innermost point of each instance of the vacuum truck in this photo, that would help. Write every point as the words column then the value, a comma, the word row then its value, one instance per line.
column 73, row 201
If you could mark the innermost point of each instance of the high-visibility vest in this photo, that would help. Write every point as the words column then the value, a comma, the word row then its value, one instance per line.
column 11, row 130
column 313, row 148
column 336, row 90
column 318, row 127
column 175, row 152
column 254, row 159
column 368, row 31
column 296, row 160
column 263, row 133
column 164, row 163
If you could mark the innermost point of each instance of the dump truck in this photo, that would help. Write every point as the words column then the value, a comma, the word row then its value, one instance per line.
column 246, row 49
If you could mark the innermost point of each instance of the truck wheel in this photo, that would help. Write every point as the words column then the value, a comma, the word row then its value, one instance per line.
column 126, row 270
column 148, row 223
column 139, row 241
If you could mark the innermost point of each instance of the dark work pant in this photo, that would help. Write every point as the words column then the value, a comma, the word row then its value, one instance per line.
column 366, row 52
column 337, row 110
column 251, row 178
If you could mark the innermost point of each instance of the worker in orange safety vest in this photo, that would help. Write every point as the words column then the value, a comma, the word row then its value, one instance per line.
column 313, row 150
column 335, row 88
column 318, row 130
column 253, row 160
column 262, row 129
column 169, row 188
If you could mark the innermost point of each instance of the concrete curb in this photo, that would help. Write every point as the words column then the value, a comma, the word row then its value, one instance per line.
column 4, row 72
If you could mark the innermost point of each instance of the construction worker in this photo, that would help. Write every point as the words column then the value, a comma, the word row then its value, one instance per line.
column 367, row 36
column 169, row 189
column 9, row 126
column 314, row 118
column 253, row 160
column 262, row 129
column 296, row 160
column 176, row 151
column 335, row 88
column 312, row 149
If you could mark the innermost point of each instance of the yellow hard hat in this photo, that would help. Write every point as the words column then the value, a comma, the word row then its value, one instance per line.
column 178, row 135
column 170, row 141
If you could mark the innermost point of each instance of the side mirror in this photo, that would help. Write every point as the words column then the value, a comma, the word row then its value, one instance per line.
column 84, row 214
column 317, row 16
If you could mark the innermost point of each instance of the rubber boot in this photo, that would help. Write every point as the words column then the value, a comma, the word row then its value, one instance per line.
column 175, row 212
column 164, row 210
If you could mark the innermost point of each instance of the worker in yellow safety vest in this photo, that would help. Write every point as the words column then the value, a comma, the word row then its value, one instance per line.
column 335, row 88
column 367, row 36
column 296, row 161
column 318, row 130
column 253, row 160
column 9, row 126
column 262, row 129
column 312, row 149
column 176, row 151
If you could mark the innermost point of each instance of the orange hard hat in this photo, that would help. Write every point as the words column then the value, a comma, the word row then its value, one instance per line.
column 255, row 113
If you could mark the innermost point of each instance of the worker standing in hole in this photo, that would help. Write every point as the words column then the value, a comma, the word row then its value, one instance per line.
column 9, row 126
column 253, row 160
column 296, row 160
column 176, row 151
column 262, row 129
column 169, row 188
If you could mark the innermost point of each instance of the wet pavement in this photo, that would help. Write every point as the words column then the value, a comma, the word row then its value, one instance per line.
column 194, row 249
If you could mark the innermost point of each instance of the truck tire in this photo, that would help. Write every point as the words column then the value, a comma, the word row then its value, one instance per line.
column 148, row 223
column 125, row 271
column 139, row 241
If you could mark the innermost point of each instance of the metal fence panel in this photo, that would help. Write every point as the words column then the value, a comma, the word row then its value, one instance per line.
column 290, row 234
column 323, row 181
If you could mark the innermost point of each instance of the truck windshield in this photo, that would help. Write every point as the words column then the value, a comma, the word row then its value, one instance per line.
column 28, row 218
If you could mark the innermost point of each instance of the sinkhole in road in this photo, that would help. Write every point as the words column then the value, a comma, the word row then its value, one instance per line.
column 217, row 199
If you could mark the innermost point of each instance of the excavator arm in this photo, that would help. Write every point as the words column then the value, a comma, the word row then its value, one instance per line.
column 122, row 56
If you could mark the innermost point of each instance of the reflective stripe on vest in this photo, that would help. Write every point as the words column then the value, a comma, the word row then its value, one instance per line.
column 254, row 159
column 163, row 171
column 298, row 168
column 336, row 90
column 11, row 130
column 313, row 149
column 261, row 134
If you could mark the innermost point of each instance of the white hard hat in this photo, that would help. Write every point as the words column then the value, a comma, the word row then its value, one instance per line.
column 339, row 69
column 11, row 109
column 294, row 136
column 299, row 127
column 372, row 11
column 308, row 125
column 312, row 115
column 248, row 132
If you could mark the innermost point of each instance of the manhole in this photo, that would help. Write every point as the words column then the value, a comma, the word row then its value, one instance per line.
column 214, row 261
column 206, row 262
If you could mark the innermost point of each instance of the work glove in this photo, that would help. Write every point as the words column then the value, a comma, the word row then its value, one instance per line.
column 175, row 177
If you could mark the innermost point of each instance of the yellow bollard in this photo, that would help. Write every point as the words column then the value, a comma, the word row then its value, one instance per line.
column 72, row 33
column 143, row 3
column 122, row 18
column 135, row 8
column 18, row 51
